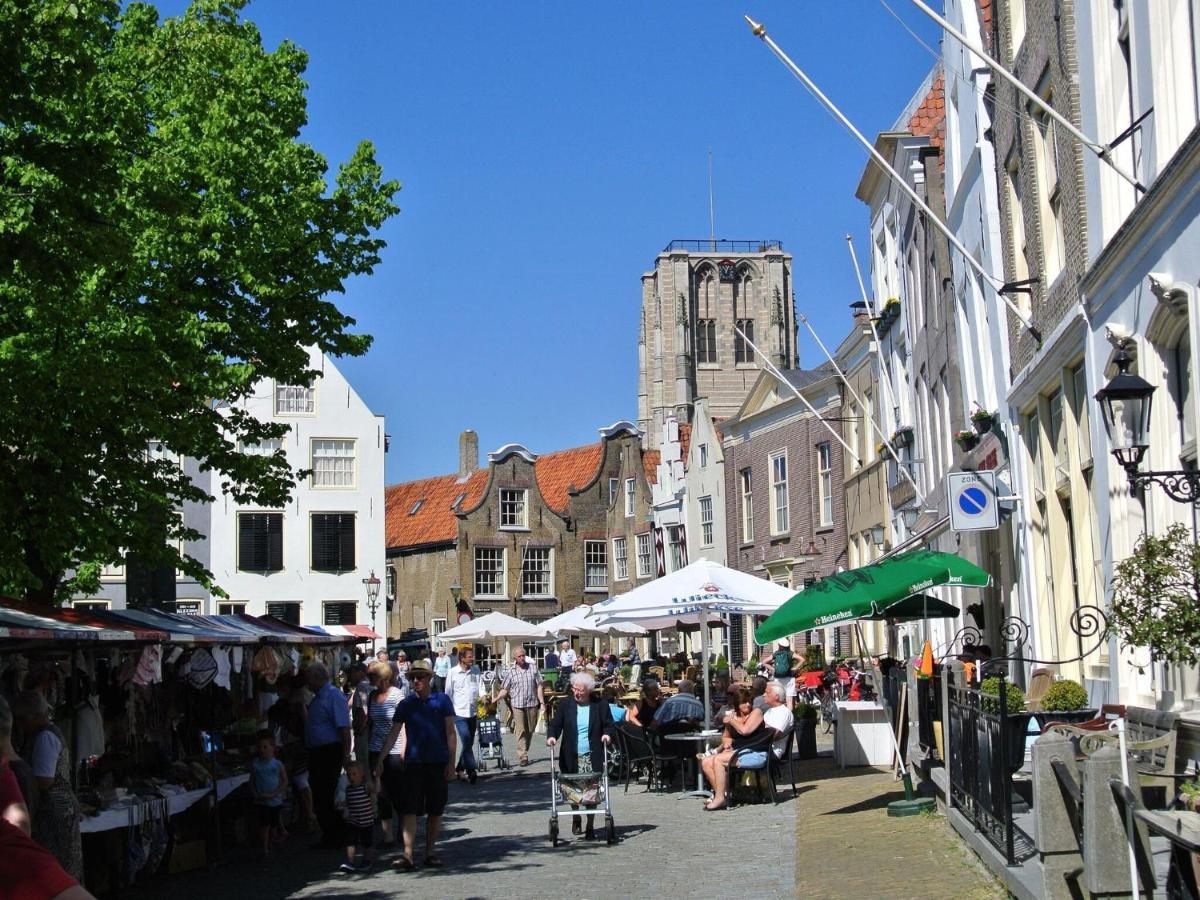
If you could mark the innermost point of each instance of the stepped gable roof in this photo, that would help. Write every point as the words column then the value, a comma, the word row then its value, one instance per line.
column 650, row 460
column 422, row 512
column 559, row 471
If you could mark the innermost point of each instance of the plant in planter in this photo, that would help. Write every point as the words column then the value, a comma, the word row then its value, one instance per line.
column 903, row 437
column 1189, row 795
column 626, row 674
column 1064, row 701
column 806, row 730
column 983, row 421
column 966, row 440
column 1018, row 719
column 721, row 666
column 1156, row 598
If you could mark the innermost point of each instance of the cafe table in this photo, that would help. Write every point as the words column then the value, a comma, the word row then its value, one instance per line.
column 701, row 739
column 1182, row 829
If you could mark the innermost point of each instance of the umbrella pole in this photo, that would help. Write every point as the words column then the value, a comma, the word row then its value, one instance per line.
column 704, row 666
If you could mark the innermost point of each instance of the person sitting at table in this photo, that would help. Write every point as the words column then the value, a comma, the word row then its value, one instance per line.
column 612, row 696
column 643, row 713
column 730, row 705
column 683, row 707
column 585, row 727
column 758, row 687
column 743, row 729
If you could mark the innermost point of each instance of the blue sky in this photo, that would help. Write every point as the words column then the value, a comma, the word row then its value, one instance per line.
column 548, row 151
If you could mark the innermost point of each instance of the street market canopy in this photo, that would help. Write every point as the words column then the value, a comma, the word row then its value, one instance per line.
column 359, row 633
column 869, row 591
column 495, row 626
column 581, row 620
column 20, row 623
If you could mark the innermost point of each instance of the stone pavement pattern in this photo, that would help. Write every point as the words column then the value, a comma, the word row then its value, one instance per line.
column 846, row 846
column 495, row 846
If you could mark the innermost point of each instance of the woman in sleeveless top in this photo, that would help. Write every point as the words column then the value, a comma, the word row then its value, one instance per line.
column 743, row 728
column 56, row 822
column 382, row 707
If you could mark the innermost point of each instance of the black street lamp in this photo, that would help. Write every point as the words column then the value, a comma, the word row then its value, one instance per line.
column 372, row 585
column 1125, row 403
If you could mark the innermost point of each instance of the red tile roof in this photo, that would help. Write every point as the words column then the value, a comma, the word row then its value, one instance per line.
column 650, row 459
column 433, row 521
column 685, row 440
column 930, row 118
column 559, row 471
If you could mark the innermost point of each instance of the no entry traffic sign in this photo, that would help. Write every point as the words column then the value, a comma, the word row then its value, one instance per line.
column 973, row 505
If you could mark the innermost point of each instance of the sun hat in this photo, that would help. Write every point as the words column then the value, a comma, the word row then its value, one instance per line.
column 783, row 644
column 420, row 665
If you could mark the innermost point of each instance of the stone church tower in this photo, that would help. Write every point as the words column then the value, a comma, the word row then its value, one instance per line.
column 687, row 345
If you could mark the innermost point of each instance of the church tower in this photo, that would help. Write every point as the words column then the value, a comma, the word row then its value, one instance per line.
column 687, row 343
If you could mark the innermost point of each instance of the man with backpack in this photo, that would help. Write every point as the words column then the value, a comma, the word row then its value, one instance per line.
column 785, row 670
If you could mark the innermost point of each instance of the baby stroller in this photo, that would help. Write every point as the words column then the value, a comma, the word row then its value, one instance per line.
column 589, row 790
column 491, row 743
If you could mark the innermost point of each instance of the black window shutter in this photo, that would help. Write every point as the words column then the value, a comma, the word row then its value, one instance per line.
column 260, row 542
column 333, row 542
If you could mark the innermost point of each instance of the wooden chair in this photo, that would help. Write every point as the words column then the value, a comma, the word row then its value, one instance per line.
column 734, row 767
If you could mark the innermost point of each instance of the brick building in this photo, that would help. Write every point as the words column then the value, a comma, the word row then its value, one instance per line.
column 785, row 506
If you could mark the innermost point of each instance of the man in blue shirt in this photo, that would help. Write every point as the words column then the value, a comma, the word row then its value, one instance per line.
column 428, row 721
column 327, row 738
column 683, row 705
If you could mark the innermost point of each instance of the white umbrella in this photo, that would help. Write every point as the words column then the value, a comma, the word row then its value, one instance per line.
column 581, row 621
column 700, row 588
column 494, row 626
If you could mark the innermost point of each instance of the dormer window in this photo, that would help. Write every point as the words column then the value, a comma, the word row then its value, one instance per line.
column 514, row 508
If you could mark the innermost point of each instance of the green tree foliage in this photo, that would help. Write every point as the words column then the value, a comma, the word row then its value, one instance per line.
column 166, row 242
column 1156, row 596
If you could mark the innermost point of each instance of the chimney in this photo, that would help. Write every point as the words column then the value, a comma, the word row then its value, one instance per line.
column 468, row 453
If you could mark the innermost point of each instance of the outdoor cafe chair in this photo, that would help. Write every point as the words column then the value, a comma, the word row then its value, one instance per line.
column 636, row 751
column 777, row 764
column 763, row 743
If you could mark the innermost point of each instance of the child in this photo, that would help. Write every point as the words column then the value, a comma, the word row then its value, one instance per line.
column 360, row 817
column 268, row 781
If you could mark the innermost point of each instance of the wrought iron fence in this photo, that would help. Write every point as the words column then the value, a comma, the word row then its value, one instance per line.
column 722, row 246
column 985, row 747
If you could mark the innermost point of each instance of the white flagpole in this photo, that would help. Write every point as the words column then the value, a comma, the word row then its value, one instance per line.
column 884, row 376
column 761, row 32
column 1103, row 151
column 765, row 362
column 887, row 441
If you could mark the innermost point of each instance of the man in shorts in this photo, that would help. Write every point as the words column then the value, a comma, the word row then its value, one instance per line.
column 428, row 721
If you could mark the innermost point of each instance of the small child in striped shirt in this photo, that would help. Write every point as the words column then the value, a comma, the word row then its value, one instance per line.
column 360, row 818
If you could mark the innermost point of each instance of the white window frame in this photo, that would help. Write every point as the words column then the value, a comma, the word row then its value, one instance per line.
column 519, row 522
column 704, row 456
column 630, row 497
column 644, row 547
column 436, row 627
column 780, row 512
column 548, row 571
column 824, row 484
column 226, row 607
column 325, row 604
column 335, row 473
column 501, row 576
column 746, row 503
column 266, row 447
column 591, row 565
column 91, row 603
column 292, row 397
column 706, row 521
column 1049, row 194
column 620, row 558
column 675, row 542
column 614, row 488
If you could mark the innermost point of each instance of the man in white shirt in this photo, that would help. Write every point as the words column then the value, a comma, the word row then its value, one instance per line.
column 778, row 716
column 566, row 659
column 462, row 686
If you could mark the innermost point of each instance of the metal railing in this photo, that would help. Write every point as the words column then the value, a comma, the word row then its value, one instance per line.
column 982, row 746
column 722, row 246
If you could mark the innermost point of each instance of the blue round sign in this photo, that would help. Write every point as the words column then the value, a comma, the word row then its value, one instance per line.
column 973, row 500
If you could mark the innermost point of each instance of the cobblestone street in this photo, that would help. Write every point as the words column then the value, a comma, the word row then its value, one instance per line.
column 495, row 845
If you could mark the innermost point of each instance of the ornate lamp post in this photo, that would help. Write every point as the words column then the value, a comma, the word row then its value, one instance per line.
column 372, row 585
column 1125, row 403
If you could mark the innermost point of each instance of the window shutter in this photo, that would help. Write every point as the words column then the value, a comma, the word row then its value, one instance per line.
column 333, row 542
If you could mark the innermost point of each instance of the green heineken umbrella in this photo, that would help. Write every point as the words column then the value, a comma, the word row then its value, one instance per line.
column 914, row 609
column 868, row 591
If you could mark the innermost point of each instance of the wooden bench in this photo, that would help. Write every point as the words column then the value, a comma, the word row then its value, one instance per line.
column 1150, row 738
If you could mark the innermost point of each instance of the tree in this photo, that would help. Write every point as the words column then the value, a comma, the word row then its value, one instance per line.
column 1156, row 596
column 166, row 242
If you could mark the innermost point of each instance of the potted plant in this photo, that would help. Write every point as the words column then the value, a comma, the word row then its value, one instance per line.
column 983, row 421
column 806, row 730
column 1064, row 701
column 721, row 666
column 1156, row 602
column 966, row 440
column 903, row 436
column 883, row 451
column 1189, row 795
column 1018, row 720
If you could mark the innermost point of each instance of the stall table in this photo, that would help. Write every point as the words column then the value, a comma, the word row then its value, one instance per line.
column 863, row 736
column 134, row 813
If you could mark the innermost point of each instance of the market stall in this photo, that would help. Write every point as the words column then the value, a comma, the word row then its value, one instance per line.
column 157, row 713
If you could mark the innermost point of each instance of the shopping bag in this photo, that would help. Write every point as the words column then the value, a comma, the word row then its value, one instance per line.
column 540, row 727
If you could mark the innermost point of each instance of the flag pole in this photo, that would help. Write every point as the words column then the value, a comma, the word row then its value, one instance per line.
column 887, row 441
column 760, row 31
column 884, row 376
column 1103, row 151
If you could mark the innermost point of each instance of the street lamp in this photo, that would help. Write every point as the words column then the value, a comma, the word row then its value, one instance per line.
column 877, row 535
column 372, row 585
column 1125, row 403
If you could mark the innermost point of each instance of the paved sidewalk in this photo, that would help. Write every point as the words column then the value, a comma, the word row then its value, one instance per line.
column 496, row 846
column 846, row 846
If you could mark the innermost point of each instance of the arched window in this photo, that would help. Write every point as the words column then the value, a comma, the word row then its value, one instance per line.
column 706, row 316
column 743, row 316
